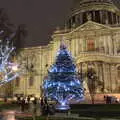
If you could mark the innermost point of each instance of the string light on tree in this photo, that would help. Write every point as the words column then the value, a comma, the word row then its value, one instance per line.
column 62, row 83
column 8, row 69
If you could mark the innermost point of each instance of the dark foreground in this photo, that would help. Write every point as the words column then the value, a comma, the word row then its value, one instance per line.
column 77, row 112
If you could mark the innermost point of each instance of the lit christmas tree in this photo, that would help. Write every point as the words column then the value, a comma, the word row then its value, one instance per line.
column 8, row 69
column 62, row 84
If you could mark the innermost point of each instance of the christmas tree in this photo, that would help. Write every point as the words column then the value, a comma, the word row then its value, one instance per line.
column 62, row 84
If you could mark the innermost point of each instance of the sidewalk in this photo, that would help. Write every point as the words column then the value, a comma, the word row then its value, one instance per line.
column 11, row 115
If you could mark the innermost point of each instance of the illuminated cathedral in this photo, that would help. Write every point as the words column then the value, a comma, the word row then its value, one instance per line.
column 92, row 35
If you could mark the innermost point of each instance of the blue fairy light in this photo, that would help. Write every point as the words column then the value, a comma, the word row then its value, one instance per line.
column 8, row 69
column 63, row 79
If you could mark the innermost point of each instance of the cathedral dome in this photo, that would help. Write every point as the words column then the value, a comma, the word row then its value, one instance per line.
column 100, row 11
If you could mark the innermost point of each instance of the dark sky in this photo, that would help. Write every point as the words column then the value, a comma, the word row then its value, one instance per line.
column 40, row 16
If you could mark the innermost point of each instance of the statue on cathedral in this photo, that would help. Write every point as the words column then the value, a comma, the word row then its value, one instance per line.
column 89, row 16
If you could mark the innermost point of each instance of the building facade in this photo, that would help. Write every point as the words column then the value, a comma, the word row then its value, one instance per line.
column 92, row 35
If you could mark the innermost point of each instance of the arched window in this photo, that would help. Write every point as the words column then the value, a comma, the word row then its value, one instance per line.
column 90, row 45
column 17, row 82
column 31, row 81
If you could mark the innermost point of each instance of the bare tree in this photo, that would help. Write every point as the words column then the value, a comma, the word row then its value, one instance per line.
column 9, row 28
column 5, row 24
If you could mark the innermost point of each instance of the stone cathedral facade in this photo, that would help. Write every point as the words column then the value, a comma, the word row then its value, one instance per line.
column 92, row 35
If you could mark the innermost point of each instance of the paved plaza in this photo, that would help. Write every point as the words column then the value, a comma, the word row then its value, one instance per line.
column 11, row 115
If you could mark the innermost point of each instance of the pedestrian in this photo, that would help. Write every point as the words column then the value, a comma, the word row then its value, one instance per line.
column 28, row 99
column 5, row 99
column 42, row 103
column 45, row 109
column 35, row 105
column 51, row 109
column 18, row 99
column 23, row 105
column 28, row 102
column 105, row 98
column 45, row 100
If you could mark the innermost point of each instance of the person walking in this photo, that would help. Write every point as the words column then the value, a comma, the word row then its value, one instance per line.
column 35, row 105
column 23, row 105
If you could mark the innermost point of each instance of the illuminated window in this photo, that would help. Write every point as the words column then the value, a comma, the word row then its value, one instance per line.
column 17, row 83
column 90, row 45
column 31, row 81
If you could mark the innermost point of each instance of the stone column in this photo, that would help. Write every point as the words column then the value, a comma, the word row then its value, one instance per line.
column 117, row 78
column 110, row 45
column 110, row 74
column 81, row 71
column 74, row 43
column 87, row 77
column 116, row 19
column 99, row 46
column 108, row 78
column 98, row 71
column 82, row 44
column 112, row 19
column 105, row 45
column 102, row 67
column 101, row 73
column 106, row 16
column 113, row 77
column 105, row 77
column 101, row 20
column 70, row 44
column 94, row 16
column 73, row 46
column 115, row 46
column 77, row 19
column 81, row 18
column 97, row 43
column 77, row 45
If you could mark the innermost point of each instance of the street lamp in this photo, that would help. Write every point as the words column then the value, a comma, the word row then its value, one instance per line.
column 15, row 67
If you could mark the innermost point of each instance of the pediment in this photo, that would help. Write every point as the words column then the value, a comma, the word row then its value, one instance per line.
column 90, row 25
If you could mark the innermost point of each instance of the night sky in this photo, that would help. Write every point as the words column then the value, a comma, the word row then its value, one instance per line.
column 40, row 16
